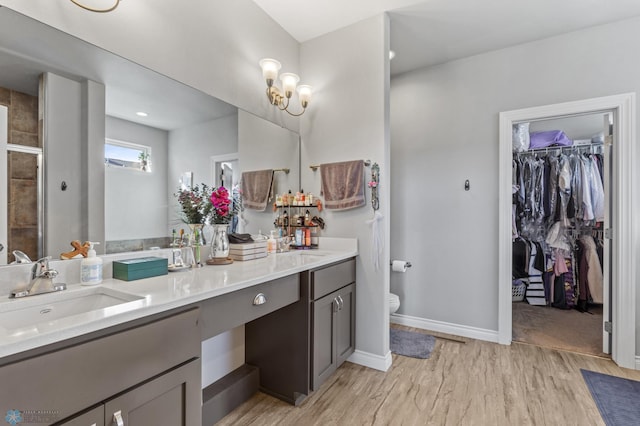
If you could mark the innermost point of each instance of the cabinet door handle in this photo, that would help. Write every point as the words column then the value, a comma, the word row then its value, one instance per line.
column 117, row 418
column 340, row 302
column 336, row 305
column 260, row 299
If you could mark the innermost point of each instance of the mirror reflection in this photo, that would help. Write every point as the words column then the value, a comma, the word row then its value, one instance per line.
column 72, row 98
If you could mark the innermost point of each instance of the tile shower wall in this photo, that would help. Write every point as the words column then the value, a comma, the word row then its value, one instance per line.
column 21, row 169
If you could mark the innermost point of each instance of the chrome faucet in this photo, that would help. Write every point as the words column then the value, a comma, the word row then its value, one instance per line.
column 41, row 280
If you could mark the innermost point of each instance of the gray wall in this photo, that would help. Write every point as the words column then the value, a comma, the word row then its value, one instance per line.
column 348, row 120
column 190, row 150
column 72, row 127
column 444, row 129
column 135, row 201
column 265, row 145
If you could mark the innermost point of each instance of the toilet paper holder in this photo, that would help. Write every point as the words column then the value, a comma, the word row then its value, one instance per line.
column 407, row 264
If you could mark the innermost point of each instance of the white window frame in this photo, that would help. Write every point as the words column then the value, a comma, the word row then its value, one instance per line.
column 124, row 144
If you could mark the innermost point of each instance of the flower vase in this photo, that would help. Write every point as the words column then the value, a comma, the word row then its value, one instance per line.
column 196, row 240
column 219, row 244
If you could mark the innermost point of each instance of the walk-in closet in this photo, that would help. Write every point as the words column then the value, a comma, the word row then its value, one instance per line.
column 561, row 176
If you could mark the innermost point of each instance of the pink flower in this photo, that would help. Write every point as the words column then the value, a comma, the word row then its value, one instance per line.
column 220, row 201
column 372, row 184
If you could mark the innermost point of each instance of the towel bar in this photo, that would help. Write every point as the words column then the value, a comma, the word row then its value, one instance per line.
column 315, row 167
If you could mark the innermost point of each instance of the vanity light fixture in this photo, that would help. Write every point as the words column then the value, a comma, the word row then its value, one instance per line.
column 281, row 97
column 100, row 6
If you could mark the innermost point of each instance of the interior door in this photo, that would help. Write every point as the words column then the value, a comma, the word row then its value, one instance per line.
column 4, row 135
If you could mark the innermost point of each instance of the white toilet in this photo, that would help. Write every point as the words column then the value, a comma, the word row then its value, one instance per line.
column 394, row 303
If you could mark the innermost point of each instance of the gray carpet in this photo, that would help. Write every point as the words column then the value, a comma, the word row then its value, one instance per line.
column 411, row 344
column 616, row 398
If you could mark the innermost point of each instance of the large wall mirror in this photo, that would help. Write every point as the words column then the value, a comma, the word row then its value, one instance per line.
column 67, row 100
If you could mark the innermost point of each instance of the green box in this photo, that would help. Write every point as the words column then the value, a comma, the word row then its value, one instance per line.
column 142, row 267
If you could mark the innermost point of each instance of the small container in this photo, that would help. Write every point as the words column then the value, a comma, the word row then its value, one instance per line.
column 299, row 237
column 272, row 243
column 307, row 237
column 91, row 267
column 138, row 268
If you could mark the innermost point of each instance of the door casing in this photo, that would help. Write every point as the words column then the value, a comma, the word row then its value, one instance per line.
column 624, row 204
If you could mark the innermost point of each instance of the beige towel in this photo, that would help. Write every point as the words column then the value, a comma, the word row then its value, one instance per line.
column 256, row 189
column 343, row 184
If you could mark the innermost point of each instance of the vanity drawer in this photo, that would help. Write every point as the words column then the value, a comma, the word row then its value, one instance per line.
column 329, row 279
column 222, row 313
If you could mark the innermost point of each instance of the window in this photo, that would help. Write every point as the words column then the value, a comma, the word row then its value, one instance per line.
column 127, row 155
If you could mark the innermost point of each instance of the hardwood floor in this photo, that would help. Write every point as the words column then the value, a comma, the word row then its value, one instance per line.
column 471, row 383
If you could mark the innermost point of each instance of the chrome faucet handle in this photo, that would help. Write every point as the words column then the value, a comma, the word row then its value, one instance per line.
column 41, row 267
column 21, row 257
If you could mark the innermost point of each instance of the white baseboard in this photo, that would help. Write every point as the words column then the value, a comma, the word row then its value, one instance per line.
column 367, row 359
column 445, row 327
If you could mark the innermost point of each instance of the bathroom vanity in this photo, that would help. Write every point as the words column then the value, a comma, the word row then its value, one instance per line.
column 138, row 363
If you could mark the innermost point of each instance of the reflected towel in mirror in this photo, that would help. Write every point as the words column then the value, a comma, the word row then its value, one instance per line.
column 256, row 189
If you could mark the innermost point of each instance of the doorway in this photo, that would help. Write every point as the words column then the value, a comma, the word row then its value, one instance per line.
column 622, row 224
column 562, row 186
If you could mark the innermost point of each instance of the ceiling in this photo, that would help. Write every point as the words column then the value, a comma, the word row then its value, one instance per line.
column 426, row 33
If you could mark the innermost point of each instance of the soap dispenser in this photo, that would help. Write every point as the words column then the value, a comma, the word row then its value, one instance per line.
column 91, row 267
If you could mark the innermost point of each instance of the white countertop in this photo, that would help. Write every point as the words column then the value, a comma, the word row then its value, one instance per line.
column 152, row 296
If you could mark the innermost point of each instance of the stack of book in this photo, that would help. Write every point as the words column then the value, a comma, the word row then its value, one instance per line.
column 248, row 251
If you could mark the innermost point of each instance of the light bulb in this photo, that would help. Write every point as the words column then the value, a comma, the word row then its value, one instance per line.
column 270, row 68
column 289, row 82
column 304, row 93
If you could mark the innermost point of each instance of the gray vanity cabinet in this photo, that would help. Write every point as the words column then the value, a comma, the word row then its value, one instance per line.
column 164, row 401
column 147, row 370
column 300, row 345
column 333, row 319
column 94, row 417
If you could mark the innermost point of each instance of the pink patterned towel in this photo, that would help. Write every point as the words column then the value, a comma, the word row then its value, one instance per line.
column 343, row 184
column 256, row 189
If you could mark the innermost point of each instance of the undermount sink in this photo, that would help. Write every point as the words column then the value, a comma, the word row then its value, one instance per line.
column 51, row 311
column 310, row 252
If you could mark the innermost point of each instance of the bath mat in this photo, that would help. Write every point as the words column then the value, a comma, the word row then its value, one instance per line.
column 411, row 344
column 616, row 398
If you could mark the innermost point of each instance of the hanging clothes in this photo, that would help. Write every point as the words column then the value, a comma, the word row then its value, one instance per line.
column 591, row 278
column 558, row 196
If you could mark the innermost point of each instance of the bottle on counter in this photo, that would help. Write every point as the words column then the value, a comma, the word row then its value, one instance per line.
column 272, row 243
column 91, row 267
